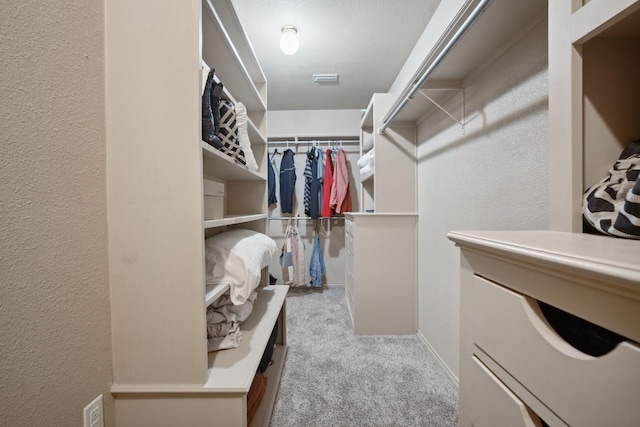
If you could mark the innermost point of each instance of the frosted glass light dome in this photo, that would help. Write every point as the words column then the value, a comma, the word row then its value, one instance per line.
column 289, row 43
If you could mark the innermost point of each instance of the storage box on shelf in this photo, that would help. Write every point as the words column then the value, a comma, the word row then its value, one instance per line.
column 213, row 199
column 159, row 169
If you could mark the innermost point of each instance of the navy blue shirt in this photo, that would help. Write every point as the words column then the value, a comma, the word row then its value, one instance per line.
column 287, row 181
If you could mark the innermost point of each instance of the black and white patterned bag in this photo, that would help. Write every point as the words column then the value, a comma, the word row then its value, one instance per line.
column 228, row 132
column 612, row 206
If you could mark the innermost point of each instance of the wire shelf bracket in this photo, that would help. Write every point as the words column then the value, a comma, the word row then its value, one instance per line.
column 461, row 121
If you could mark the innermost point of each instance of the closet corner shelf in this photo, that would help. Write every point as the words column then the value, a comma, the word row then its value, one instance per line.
column 231, row 220
column 238, row 36
column 232, row 370
column 228, row 63
column 366, row 123
column 368, row 176
column 254, row 134
column 214, row 292
column 224, row 167
column 599, row 16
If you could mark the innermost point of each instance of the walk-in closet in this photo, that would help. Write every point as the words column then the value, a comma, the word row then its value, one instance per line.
column 249, row 213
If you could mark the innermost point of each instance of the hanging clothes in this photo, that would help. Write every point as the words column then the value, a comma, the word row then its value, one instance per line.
column 308, row 178
column 271, row 182
column 340, row 195
column 314, row 209
column 317, row 268
column 293, row 260
column 313, row 175
column 287, row 181
column 320, row 178
column 327, row 184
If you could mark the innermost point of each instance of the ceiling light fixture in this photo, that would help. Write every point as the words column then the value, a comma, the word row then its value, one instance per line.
column 289, row 40
column 325, row 78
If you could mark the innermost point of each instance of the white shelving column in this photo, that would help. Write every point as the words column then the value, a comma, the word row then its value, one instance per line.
column 164, row 375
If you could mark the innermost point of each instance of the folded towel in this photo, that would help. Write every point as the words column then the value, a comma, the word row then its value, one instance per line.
column 365, row 171
column 368, row 144
column 365, row 159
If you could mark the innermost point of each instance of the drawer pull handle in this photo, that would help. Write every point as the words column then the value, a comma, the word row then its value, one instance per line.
column 581, row 334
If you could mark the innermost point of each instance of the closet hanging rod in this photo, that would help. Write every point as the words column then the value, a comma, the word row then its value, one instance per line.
column 293, row 218
column 479, row 9
column 314, row 141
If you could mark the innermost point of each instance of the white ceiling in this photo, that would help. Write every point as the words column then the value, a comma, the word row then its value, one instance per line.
column 366, row 42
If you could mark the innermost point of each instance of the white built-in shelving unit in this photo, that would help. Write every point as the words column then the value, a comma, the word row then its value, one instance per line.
column 157, row 58
column 391, row 184
column 389, row 205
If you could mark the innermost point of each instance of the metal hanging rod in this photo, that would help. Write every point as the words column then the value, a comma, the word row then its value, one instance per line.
column 294, row 218
column 479, row 9
column 314, row 141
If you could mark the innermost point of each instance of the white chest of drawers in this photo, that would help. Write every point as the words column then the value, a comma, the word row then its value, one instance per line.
column 521, row 367
column 381, row 285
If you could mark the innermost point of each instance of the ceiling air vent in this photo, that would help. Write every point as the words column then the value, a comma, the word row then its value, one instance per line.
column 325, row 78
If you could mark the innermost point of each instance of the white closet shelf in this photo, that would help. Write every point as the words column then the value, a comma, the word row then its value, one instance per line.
column 369, row 175
column 224, row 167
column 214, row 292
column 241, row 42
column 232, row 219
column 367, row 118
column 598, row 16
column 232, row 370
column 254, row 134
column 220, row 53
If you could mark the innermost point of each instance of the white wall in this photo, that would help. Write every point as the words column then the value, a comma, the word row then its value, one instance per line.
column 314, row 124
column 55, row 325
column 491, row 176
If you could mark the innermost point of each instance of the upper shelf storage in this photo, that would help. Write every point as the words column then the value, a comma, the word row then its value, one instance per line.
column 224, row 167
column 227, row 49
column 606, row 18
column 366, row 124
column 498, row 26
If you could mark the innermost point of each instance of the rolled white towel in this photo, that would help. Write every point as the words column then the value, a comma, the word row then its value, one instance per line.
column 365, row 159
column 368, row 144
column 365, row 171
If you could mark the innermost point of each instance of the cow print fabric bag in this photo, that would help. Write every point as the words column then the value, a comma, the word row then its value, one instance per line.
column 228, row 132
column 612, row 206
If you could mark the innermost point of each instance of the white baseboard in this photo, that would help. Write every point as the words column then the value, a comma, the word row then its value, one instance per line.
column 435, row 354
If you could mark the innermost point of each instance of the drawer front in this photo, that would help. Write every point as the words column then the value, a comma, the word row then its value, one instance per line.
column 349, row 276
column 348, row 227
column 581, row 389
column 349, row 265
column 350, row 305
column 493, row 404
column 348, row 242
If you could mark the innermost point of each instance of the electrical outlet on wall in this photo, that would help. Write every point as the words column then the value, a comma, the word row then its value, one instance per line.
column 93, row 413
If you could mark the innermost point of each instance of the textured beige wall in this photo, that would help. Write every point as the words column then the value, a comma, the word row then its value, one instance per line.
column 492, row 177
column 55, row 334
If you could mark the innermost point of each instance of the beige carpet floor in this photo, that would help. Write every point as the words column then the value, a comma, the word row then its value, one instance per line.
column 335, row 378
